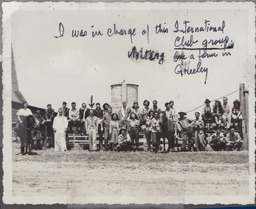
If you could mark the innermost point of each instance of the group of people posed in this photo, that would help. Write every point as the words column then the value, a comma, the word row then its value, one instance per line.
column 120, row 130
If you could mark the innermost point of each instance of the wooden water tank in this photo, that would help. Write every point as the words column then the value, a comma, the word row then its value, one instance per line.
column 123, row 92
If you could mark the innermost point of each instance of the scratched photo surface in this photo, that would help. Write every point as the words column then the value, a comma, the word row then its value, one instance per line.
column 114, row 52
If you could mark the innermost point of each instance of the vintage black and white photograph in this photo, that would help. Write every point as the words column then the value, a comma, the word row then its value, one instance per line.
column 123, row 103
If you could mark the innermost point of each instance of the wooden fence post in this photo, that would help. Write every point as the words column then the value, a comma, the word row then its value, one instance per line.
column 243, row 94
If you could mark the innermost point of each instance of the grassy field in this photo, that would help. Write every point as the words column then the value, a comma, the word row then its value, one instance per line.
column 83, row 173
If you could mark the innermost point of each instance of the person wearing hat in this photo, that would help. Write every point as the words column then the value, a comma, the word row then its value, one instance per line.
column 207, row 114
column 185, row 129
column 124, row 141
column 236, row 114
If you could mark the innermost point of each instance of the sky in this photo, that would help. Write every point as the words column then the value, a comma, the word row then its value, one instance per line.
column 53, row 70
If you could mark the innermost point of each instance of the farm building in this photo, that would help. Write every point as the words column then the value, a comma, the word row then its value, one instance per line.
column 123, row 92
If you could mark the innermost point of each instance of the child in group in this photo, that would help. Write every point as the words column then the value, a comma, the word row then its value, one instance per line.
column 113, row 131
column 134, row 130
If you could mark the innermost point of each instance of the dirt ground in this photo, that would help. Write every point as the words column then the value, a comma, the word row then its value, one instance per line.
column 84, row 173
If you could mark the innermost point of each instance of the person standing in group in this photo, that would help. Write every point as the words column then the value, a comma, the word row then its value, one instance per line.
column 22, row 127
column 185, row 129
column 155, row 107
column 113, row 130
column 226, row 113
column 146, row 108
column 124, row 114
column 74, row 117
column 136, row 110
column 207, row 114
column 98, row 112
column 171, row 116
column 155, row 129
column 84, row 112
column 148, row 129
column 91, row 128
column 198, row 128
column 38, row 131
column 134, row 131
column 48, row 129
column 60, row 125
column 164, row 132
column 105, row 107
column 65, row 110
column 106, row 125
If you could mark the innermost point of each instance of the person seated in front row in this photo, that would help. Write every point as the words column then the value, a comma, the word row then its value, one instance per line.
column 207, row 115
column 234, row 140
column 124, row 141
column 185, row 129
column 74, row 117
column 218, row 141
